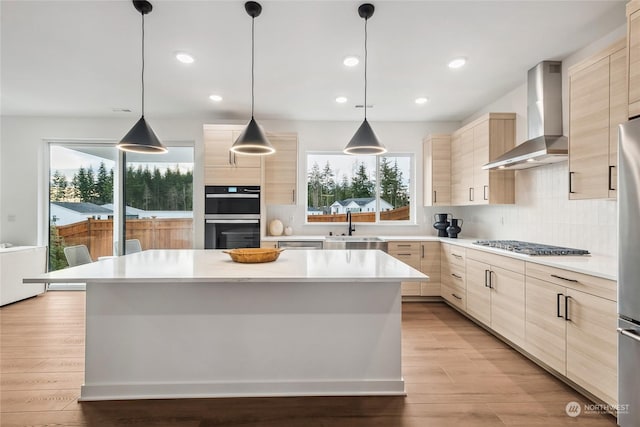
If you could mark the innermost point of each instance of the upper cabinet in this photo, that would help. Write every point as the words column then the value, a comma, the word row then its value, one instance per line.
column 475, row 145
column 633, row 55
column 281, row 170
column 597, row 105
column 222, row 166
column 437, row 170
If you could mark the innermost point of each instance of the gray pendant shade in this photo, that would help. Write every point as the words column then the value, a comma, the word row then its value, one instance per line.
column 141, row 139
column 365, row 141
column 253, row 141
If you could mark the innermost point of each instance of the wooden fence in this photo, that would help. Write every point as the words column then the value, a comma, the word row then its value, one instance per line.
column 399, row 214
column 153, row 233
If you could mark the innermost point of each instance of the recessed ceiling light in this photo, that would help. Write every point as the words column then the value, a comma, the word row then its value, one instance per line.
column 457, row 63
column 215, row 98
column 351, row 61
column 341, row 99
column 422, row 100
column 185, row 58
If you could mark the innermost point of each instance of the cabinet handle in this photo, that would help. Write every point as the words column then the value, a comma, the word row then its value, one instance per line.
column 404, row 254
column 610, row 178
column 457, row 276
column 230, row 161
column 456, row 255
column 234, row 159
column 558, row 296
column 435, row 198
column 566, row 308
column 484, row 192
column 564, row 278
column 293, row 196
column 571, row 183
column 470, row 194
column 404, row 246
column 456, row 296
column 490, row 279
column 422, row 246
column 486, row 281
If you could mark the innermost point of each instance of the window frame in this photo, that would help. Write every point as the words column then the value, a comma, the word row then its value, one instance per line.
column 412, row 221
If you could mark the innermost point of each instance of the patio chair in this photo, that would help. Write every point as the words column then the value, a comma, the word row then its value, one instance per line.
column 77, row 255
column 132, row 246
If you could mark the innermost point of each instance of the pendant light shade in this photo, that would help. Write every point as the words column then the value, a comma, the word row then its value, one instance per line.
column 141, row 138
column 253, row 140
column 365, row 140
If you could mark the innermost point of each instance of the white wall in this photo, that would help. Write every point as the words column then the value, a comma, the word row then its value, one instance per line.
column 542, row 212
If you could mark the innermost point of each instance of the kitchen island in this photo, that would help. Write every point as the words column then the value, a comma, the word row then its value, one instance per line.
column 192, row 323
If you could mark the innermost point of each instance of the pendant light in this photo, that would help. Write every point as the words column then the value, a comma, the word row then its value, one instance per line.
column 252, row 140
column 365, row 141
column 141, row 138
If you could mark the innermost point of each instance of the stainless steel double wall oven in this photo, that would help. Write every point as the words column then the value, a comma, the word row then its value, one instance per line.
column 232, row 217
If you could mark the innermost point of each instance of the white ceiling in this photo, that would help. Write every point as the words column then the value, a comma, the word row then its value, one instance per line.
column 71, row 58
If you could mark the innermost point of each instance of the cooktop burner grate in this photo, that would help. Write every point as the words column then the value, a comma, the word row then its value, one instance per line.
column 529, row 248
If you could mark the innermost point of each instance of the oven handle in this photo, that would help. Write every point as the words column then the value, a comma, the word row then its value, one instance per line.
column 249, row 190
column 233, row 196
column 232, row 221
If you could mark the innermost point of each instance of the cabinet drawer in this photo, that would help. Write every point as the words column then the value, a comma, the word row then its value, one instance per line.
column 409, row 258
column 454, row 255
column 454, row 295
column 507, row 263
column 454, row 276
column 582, row 282
column 395, row 247
column 231, row 176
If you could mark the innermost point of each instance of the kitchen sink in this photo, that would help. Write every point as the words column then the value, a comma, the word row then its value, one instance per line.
column 354, row 242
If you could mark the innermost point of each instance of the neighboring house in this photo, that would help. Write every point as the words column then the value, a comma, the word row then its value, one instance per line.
column 139, row 213
column 314, row 211
column 362, row 204
column 63, row 213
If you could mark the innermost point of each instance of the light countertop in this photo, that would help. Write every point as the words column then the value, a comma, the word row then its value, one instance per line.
column 594, row 265
column 207, row 266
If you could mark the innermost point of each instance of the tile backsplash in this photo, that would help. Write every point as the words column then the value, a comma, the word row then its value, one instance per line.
column 544, row 214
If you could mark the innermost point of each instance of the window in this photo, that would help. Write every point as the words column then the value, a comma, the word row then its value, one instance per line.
column 373, row 189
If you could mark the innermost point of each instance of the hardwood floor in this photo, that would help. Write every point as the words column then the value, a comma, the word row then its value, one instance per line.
column 456, row 375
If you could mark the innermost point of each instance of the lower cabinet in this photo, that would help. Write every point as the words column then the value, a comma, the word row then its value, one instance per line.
column 424, row 257
column 496, row 293
column 573, row 331
column 453, row 286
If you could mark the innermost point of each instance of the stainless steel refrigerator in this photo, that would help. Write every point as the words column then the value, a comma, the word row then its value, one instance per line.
column 629, row 274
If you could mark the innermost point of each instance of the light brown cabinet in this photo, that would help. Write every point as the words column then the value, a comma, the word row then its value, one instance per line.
column 437, row 170
column 281, row 170
column 496, row 293
column 473, row 146
column 597, row 105
column 453, row 286
column 571, row 327
column 223, row 167
column 633, row 58
column 430, row 265
column 408, row 252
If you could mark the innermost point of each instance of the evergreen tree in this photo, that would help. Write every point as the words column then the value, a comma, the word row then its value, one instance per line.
column 58, row 187
column 104, row 186
column 57, row 260
column 361, row 185
column 328, row 185
column 314, row 186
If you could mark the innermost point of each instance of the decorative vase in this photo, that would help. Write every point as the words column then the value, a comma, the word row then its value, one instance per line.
column 288, row 231
column 276, row 228
column 454, row 228
column 441, row 223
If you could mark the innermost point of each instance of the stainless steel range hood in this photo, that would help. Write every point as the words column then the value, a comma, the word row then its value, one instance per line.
column 546, row 144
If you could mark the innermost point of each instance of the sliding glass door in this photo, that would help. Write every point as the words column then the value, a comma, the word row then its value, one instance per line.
column 84, row 209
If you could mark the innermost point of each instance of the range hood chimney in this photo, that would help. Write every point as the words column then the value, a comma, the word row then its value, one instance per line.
column 546, row 144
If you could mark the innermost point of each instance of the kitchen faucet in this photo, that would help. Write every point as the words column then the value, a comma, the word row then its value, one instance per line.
column 350, row 229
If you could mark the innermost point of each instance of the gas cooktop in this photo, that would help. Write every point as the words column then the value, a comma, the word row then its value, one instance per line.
column 529, row 248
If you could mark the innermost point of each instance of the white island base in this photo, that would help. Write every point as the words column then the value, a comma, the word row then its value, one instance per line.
column 192, row 323
column 151, row 340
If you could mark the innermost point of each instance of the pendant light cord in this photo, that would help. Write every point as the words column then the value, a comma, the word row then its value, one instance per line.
column 365, row 69
column 253, row 22
column 142, row 64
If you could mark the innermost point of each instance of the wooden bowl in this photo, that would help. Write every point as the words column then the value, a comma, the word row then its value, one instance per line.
column 254, row 255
